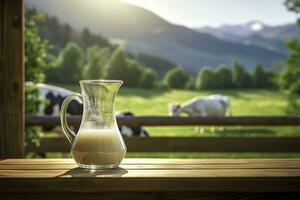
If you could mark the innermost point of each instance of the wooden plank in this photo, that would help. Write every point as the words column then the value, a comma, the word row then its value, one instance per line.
column 154, row 195
column 132, row 177
column 187, row 144
column 177, row 121
column 149, row 180
column 11, row 79
column 159, row 166
column 166, row 161
column 149, row 173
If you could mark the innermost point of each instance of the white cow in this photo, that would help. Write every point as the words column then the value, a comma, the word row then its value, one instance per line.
column 209, row 106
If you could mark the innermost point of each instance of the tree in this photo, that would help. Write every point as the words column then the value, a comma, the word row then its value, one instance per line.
column 123, row 68
column 262, row 78
column 70, row 63
column 190, row 85
column 223, row 77
column 89, row 39
column 133, row 73
column 148, row 78
column 176, row 78
column 289, row 77
column 160, row 65
column 97, row 58
column 241, row 78
column 206, row 79
column 117, row 65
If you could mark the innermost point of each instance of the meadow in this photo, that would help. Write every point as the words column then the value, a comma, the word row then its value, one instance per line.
column 143, row 102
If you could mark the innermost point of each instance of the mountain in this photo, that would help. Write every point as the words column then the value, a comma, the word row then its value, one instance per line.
column 141, row 31
column 254, row 33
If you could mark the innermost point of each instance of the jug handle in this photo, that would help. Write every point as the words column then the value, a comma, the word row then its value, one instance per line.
column 63, row 115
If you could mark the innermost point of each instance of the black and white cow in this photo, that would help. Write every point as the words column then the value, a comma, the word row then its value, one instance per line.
column 53, row 97
column 131, row 131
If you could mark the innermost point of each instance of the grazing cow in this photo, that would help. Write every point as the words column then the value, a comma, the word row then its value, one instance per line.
column 209, row 106
column 54, row 97
column 214, row 105
column 131, row 131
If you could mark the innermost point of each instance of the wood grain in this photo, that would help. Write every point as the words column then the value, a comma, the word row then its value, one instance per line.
column 154, row 196
column 177, row 121
column 152, row 175
column 11, row 79
column 186, row 144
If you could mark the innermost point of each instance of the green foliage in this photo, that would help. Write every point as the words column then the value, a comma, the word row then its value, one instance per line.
column 89, row 39
column 262, row 78
column 37, row 60
column 97, row 58
column 36, row 51
column 241, row 78
column 205, row 79
column 223, row 77
column 191, row 84
column 289, row 78
column 294, row 6
column 176, row 78
column 69, row 64
column 159, row 65
column 123, row 68
column 148, row 78
column 133, row 73
column 116, row 66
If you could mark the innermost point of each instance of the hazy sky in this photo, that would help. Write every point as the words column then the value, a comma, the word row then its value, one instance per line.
column 195, row 13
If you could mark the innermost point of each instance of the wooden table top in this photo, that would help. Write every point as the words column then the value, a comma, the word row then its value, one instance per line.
column 145, row 174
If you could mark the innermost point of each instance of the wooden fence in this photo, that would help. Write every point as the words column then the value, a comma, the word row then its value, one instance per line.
column 182, row 144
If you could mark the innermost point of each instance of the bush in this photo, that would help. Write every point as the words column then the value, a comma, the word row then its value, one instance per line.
column 37, row 61
column 133, row 74
column 123, row 68
column 96, row 60
column 69, row 64
column 190, row 85
column 241, row 78
column 176, row 78
column 116, row 67
column 223, row 77
column 148, row 78
column 262, row 78
column 206, row 79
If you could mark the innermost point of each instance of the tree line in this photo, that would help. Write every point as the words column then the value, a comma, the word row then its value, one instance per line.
column 73, row 64
column 224, row 77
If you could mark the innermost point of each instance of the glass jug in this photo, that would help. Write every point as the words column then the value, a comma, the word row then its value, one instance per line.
column 98, row 143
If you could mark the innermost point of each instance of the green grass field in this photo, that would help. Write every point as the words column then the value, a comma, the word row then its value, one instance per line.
column 247, row 102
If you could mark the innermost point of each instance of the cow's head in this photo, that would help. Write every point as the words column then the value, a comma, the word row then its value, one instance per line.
column 174, row 109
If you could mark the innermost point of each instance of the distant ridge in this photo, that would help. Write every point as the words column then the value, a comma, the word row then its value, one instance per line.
column 141, row 31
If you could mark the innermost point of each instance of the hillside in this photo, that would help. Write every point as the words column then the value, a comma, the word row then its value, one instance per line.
column 144, row 32
column 254, row 33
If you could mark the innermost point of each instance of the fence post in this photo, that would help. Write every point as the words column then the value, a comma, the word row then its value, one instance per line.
column 11, row 79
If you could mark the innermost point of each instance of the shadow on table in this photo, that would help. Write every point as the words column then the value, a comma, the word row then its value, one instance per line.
column 80, row 172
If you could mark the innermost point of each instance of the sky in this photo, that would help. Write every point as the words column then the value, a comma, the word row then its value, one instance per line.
column 198, row 13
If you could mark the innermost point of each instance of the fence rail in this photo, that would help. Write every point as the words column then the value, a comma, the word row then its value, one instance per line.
column 176, row 121
column 182, row 144
column 186, row 144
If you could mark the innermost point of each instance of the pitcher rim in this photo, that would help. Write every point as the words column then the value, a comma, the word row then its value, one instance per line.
column 98, row 81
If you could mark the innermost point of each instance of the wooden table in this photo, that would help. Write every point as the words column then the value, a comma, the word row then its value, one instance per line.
column 152, row 179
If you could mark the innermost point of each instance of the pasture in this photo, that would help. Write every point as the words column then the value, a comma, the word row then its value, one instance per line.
column 144, row 102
